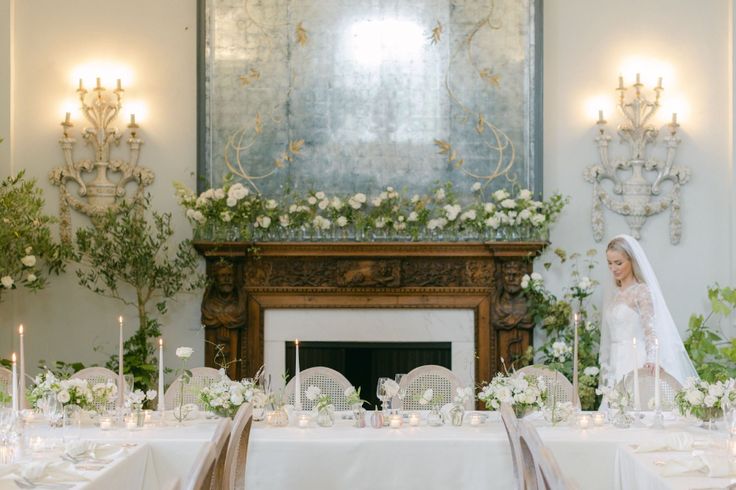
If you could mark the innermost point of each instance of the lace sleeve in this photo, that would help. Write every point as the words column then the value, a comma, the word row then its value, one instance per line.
column 645, row 308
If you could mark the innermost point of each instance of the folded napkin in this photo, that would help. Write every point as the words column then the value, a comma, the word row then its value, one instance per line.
column 43, row 471
column 715, row 465
column 677, row 441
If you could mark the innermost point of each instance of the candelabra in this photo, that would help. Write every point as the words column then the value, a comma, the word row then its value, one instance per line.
column 641, row 194
column 97, row 195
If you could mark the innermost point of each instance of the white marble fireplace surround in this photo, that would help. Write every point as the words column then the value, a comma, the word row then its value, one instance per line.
column 370, row 325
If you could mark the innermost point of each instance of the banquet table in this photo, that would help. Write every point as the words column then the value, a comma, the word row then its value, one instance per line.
column 467, row 457
column 157, row 456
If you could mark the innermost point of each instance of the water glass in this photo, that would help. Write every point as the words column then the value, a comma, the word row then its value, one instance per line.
column 53, row 410
column 382, row 394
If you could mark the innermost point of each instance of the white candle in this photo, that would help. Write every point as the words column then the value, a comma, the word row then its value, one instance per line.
column 638, row 81
column 656, row 375
column 637, row 404
column 119, row 85
column 659, row 83
column 303, row 421
column 161, row 406
column 599, row 419
column 298, row 381
column 132, row 120
column 105, row 423
column 600, row 116
column 414, row 419
column 584, row 421
column 620, row 82
column 99, row 84
column 81, row 85
column 14, row 381
column 395, row 422
column 22, row 383
column 121, row 379
column 476, row 419
column 575, row 376
column 674, row 118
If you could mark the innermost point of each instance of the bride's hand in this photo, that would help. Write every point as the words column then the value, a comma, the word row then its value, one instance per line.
column 650, row 367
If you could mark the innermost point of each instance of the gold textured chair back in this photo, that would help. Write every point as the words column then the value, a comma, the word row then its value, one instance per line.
column 237, row 449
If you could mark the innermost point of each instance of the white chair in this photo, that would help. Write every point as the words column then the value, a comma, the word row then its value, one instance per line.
column 668, row 388
column 510, row 423
column 203, row 470
column 444, row 384
column 237, row 449
column 95, row 375
column 558, row 386
column 326, row 379
column 220, row 441
column 541, row 470
column 201, row 378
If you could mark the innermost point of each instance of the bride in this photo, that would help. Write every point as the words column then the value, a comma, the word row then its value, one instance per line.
column 634, row 308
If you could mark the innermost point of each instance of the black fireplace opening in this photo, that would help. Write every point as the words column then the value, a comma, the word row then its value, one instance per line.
column 362, row 363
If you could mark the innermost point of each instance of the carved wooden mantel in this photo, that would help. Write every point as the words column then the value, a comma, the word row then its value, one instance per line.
column 467, row 275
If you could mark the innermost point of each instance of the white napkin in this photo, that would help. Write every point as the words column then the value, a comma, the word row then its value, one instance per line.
column 677, row 441
column 715, row 465
column 38, row 471
column 77, row 448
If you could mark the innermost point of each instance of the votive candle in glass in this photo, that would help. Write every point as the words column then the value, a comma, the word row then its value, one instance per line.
column 583, row 421
column 414, row 419
column 303, row 420
column 476, row 419
column 599, row 419
column 105, row 423
column 394, row 421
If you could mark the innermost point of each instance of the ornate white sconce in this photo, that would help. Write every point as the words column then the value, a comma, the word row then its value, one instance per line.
column 640, row 196
column 95, row 196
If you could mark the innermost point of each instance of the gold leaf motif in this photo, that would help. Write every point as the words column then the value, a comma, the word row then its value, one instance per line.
column 480, row 127
column 490, row 77
column 250, row 77
column 259, row 123
column 443, row 145
column 436, row 33
column 301, row 35
column 296, row 146
column 278, row 163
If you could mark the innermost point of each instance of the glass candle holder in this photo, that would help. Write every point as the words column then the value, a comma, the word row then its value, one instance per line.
column 303, row 420
column 599, row 419
column 476, row 419
column 414, row 419
column 395, row 421
column 105, row 423
column 583, row 421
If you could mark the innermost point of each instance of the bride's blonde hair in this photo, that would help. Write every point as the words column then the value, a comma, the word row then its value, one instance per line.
column 622, row 246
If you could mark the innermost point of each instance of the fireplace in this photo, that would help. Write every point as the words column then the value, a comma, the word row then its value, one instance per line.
column 466, row 293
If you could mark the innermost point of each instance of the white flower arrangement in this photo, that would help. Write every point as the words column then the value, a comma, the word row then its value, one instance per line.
column 463, row 395
column 104, row 393
column 352, row 396
column 184, row 352
column 702, row 399
column 323, row 401
column 560, row 351
column 136, row 399
column 429, row 398
column 521, row 392
column 391, row 388
column 225, row 396
column 388, row 212
column 618, row 399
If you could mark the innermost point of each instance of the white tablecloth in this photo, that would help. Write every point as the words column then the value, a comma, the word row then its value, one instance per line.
column 421, row 457
column 154, row 458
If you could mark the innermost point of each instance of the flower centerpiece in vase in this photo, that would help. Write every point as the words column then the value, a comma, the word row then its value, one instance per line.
column 135, row 401
column 352, row 396
column 225, row 396
column 184, row 375
column 524, row 393
column 619, row 400
column 104, row 396
column 457, row 412
column 431, row 400
column 704, row 400
column 323, row 406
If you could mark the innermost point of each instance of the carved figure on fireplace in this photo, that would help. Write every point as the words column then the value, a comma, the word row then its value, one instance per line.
column 223, row 304
column 510, row 314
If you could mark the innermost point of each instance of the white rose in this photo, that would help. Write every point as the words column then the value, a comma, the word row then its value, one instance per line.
column 7, row 282
column 342, row 221
column 354, row 204
column 319, row 195
column 536, row 276
column 413, row 216
column 29, row 250
column 709, row 400
column 63, row 396
column 349, row 391
column 525, row 194
column 231, row 202
column 508, row 204
column 500, row 195
column 263, row 221
column 439, row 194
column 324, row 203
column 694, row 397
column 184, row 352
column 271, row 204
column 376, row 201
column 29, row 260
column 590, row 371
column 226, row 216
column 219, row 194
column 284, row 220
column 237, row 399
column 31, row 277
column 415, row 198
column 151, row 394
column 475, row 187
column 360, row 197
column 336, row 203
column 312, row 200
column 312, row 393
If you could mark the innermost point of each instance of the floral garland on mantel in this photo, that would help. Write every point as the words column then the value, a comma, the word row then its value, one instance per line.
column 233, row 213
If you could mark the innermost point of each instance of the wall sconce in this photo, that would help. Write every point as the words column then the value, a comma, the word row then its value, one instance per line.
column 95, row 196
column 640, row 197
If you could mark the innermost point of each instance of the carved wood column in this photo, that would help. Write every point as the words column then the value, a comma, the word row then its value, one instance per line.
column 468, row 275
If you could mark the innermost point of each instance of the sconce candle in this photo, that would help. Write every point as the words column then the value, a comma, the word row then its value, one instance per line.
column 99, row 83
column 674, row 118
column 620, row 82
column 67, row 118
column 132, row 119
column 638, row 79
column 659, row 83
column 600, row 117
column 120, row 86
column 81, row 86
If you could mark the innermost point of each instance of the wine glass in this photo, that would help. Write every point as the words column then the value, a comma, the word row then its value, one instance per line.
column 382, row 394
column 53, row 409
column 7, row 420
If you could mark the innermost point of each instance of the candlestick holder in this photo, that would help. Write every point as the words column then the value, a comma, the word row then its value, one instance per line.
column 640, row 196
column 95, row 196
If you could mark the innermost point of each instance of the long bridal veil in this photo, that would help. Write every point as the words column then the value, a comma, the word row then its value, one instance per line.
column 672, row 354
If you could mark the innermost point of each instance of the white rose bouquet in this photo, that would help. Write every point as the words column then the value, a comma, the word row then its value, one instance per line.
column 703, row 399
column 225, row 396
column 136, row 399
column 67, row 391
column 523, row 393
column 323, row 401
column 617, row 399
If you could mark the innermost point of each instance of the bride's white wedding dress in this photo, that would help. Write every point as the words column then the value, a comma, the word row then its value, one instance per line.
column 639, row 311
column 629, row 315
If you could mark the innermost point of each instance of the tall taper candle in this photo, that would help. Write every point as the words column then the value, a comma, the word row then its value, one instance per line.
column 121, row 378
column 14, row 380
column 637, row 402
column 298, row 380
column 656, row 375
column 161, row 406
column 22, row 381
column 575, row 383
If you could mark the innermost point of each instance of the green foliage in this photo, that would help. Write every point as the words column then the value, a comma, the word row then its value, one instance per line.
column 713, row 356
column 555, row 316
column 61, row 369
column 126, row 256
column 25, row 238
